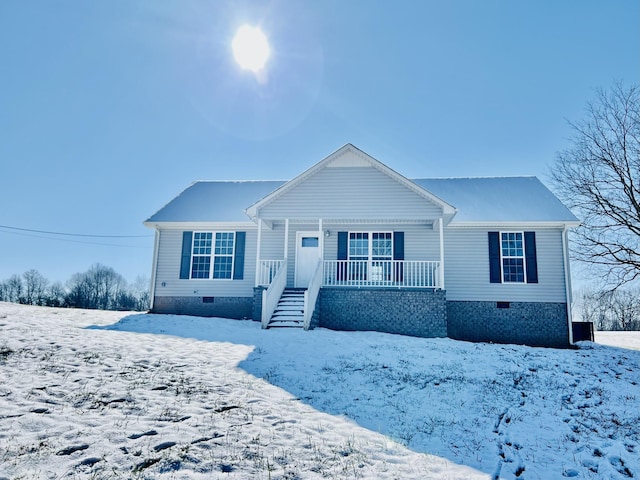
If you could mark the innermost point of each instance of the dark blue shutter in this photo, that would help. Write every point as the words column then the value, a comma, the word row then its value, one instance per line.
column 238, row 256
column 343, row 251
column 531, row 256
column 185, row 261
column 398, row 245
column 398, row 254
column 494, row 258
column 343, row 247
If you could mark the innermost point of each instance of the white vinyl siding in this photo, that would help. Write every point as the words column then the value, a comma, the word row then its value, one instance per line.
column 168, row 266
column 467, row 268
column 333, row 193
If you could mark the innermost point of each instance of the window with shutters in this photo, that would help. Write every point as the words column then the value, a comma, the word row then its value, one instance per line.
column 212, row 255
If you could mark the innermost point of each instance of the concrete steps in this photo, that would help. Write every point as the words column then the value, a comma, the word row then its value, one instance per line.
column 290, row 310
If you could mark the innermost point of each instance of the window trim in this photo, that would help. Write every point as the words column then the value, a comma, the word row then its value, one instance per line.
column 368, row 272
column 212, row 256
column 503, row 257
column 370, row 245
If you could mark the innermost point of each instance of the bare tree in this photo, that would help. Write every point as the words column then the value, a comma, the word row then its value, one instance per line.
column 625, row 309
column 78, row 292
column 141, row 291
column 13, row 289
column 588, row 307
column 99, row 288
column 613, row 310
column 35, row 288
column 599, row 178
column 56, row 295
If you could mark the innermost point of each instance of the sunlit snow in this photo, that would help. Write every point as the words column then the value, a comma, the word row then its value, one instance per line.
column 92, row 394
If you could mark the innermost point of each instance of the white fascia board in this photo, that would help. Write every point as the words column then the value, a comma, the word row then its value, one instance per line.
column 201, row 225
column 514, row 225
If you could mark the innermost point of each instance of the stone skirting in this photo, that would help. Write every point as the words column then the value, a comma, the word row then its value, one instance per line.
column 417, row 312
column 226, row 307
column 528, row 323
column 257, row 303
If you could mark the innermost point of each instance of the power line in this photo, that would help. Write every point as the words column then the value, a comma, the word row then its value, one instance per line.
column 75, row 241
column 74, row 234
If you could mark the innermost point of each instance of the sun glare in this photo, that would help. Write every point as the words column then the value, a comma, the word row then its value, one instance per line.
column 251, row 48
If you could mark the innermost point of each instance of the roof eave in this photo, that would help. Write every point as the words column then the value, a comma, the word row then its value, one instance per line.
column 519, row 224
column 198, row 224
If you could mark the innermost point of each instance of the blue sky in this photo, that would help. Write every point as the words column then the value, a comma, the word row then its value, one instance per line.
column 108, row 109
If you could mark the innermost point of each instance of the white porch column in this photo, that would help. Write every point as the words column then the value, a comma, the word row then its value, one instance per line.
column 286, row 238
column 441, row 228
column 258, row 252
column 321, row 239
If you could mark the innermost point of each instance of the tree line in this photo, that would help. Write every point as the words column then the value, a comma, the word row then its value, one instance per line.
column 617, row 310
column 100, row 287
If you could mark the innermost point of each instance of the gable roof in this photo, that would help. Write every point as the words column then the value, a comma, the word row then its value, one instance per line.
column 500, row 200
column 477, row 200
column 214, row 202
column 465, row 201
column 358, row 158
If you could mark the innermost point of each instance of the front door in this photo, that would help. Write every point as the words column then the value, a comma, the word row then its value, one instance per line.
column 307, row 256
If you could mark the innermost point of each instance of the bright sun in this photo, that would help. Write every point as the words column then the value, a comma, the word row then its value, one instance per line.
column 251, row 48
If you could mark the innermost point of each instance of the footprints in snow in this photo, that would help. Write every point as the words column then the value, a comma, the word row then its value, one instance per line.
column 508, row 451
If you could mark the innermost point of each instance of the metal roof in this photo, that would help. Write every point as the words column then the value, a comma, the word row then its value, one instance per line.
column 477, row 200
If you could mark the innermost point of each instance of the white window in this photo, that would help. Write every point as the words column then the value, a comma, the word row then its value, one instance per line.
column 215, row 249
column 513, row 259
column 370, row 255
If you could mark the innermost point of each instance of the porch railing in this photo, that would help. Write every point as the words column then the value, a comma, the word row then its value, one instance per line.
column 271, row 295
column 267, row 270
column 364, row 273
column 381, row 273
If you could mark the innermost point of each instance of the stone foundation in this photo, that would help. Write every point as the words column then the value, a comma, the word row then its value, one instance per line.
column 416, row 312
column 226, row 307
column 257, row 303
column 527, row 323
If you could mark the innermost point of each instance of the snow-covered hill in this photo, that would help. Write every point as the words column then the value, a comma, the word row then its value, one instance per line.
column 91, row 394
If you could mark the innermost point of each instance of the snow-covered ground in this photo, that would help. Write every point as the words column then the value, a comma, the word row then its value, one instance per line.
column 629, row 340
column 91, row 394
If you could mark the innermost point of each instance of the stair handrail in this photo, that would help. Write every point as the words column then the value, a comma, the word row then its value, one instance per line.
column 271, row 295
column 311, row 294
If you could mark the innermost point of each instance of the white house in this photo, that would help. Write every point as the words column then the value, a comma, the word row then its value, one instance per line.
column 351, row 244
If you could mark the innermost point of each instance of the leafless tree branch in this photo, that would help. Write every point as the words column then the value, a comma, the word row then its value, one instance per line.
column 598, row 177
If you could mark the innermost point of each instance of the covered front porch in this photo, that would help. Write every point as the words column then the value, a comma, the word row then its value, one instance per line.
column 384, row 255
